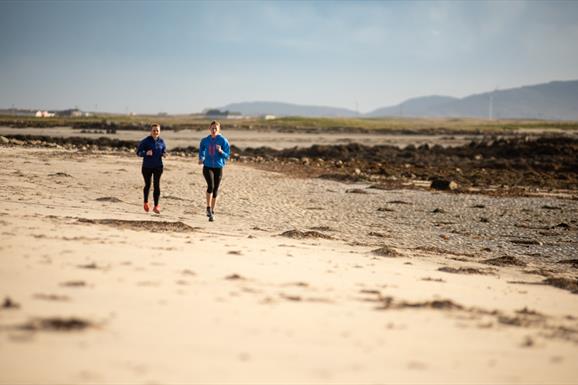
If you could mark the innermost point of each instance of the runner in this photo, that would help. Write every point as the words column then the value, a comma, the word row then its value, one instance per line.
column 213, row 154
column 152, row 149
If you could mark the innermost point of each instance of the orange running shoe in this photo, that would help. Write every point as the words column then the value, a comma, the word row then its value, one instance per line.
column 157, row 209
column 146, row 207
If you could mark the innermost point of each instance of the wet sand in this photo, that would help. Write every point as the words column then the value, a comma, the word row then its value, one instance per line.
column 297, row 281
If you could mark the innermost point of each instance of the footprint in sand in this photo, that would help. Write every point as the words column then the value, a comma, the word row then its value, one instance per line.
column 61, row 174
column 52, row 297
column 74, row 284
column 89, row 266
column 56, row 324
column 430, row 279
column 234, row 277
column 109, row 199
column 10, row 304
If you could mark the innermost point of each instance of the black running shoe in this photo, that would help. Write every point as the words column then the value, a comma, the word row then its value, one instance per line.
column 209, row 212
column 211, row 218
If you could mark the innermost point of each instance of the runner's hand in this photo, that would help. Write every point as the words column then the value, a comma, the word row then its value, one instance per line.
column 218, row 147
column 149, row 153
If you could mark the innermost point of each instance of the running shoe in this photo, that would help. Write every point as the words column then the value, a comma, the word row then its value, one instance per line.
column 157, row 209
column 211, row 218
column 146, row 207
column 209, row 212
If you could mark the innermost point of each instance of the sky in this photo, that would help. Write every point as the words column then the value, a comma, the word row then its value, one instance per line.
column 186, row 56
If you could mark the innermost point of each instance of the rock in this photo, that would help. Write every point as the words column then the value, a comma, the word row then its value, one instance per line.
column 572, row 262
column 563, row 283
column 562, row 225
column 527, row 242
column 462, row 270
column 548, row 207
column 504, row 261
column 386, row 251
column 442, row 184
column 304, row 234
column 4, row 140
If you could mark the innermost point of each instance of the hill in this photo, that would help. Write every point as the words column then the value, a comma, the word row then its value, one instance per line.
column 287, row 109
column 548, row 101
column 557, row 100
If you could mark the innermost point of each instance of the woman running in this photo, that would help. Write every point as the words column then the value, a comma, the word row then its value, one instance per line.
column 152, row 149
column 213, row 154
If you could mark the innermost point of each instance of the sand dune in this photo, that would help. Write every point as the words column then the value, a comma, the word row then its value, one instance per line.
column 297, row 280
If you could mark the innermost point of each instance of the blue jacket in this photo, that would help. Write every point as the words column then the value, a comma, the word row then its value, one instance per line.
column 208, row 151
column 159, row 148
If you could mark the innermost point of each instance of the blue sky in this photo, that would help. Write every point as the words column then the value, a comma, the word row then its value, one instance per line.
column 184, row 56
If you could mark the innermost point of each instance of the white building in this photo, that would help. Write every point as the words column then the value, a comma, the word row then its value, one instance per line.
column 44, row 114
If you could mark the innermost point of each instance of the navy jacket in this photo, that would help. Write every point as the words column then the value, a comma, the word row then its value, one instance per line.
column 158, row 147
column 208, row 151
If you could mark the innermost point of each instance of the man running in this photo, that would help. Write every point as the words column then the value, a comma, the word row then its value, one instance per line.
column 214, row 151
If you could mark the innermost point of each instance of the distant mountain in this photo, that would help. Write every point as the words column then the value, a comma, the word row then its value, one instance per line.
column 422, row 106
column 286, row 109
column 550, row 101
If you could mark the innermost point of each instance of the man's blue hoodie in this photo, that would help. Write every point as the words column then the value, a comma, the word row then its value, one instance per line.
column 158, row 147
column 208, row 151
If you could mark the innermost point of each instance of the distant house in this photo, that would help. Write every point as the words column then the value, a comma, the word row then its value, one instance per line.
column 44, row 114
column 269, row 117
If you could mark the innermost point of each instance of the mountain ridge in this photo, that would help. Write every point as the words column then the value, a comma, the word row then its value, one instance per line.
column 555, row 100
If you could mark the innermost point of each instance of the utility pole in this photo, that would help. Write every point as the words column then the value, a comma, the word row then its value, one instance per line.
column 491, row 104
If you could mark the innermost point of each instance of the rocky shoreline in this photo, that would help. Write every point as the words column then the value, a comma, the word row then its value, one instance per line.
column 514, row 165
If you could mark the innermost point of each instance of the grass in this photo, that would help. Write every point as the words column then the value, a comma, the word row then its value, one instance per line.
column 393, row 124
column 396, row 123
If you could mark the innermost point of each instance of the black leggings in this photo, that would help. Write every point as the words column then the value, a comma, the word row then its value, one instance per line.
column 147, row 173
column 213, row 177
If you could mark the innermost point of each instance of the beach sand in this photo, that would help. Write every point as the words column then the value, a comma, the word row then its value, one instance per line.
column 297, row 281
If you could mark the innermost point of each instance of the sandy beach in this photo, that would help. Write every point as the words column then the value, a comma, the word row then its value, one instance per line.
column 298, row 280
